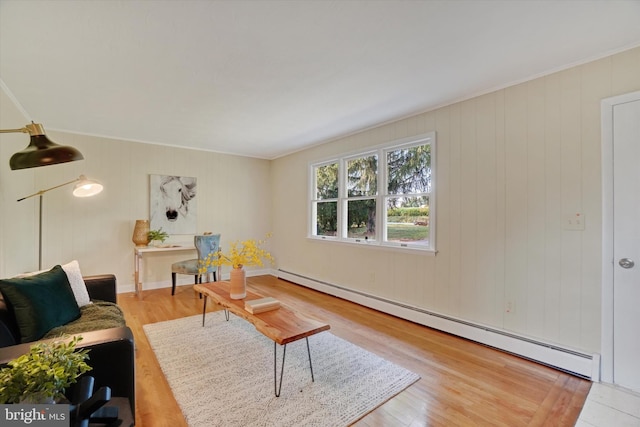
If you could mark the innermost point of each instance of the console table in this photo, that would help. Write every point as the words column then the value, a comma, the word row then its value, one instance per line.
column 138, row 260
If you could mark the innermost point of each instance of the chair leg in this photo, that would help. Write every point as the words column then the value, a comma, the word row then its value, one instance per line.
column 173, row 283
column 199, row 280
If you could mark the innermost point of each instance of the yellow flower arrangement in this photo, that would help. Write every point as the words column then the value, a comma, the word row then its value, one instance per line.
column 241, row 253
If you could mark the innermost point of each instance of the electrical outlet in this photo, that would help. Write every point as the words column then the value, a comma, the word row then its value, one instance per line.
column 509, row 307
column 574, row 221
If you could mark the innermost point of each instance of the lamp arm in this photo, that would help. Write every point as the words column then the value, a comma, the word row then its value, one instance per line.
column 23, row 130
column 41, row 192
column 32, row 129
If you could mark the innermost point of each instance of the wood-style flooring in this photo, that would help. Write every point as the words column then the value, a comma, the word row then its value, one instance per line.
column 462, row 383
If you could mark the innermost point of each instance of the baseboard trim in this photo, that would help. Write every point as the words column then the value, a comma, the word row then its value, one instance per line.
column 183, row 280
column 566, row 359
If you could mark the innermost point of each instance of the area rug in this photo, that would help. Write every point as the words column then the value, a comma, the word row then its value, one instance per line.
column 222, row 375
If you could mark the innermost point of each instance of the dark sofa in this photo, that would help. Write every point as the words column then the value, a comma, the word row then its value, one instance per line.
column 112, row 352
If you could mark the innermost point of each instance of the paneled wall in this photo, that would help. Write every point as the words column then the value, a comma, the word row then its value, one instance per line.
column 233, row 199
column 512, row 166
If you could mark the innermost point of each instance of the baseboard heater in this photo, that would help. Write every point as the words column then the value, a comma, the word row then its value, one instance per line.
column 577, row 363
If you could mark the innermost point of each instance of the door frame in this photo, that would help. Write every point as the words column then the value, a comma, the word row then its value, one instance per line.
column 608, row 263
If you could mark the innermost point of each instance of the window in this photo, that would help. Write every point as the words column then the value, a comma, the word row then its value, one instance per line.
column 362, row 192
column 407, row 195
column 377, row 197
column 325, row 204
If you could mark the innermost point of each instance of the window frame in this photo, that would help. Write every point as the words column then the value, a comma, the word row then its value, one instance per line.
column 345, row 198
column 380, row 197
column 313, row 186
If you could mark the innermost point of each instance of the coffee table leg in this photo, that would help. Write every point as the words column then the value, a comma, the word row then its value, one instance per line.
column 204, row 309
column 277, row 387
column 310, row 364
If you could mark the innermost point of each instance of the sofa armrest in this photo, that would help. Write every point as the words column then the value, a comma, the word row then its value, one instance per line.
column 111, row 355
column 102, row 287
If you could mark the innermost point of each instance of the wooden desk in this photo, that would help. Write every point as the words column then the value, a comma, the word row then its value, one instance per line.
column 283, row 325
column 138, row 260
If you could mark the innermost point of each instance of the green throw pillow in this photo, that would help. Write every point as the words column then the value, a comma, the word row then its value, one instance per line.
column 40, row 302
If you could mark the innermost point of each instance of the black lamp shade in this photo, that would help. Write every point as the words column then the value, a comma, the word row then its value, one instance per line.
column 43, row 152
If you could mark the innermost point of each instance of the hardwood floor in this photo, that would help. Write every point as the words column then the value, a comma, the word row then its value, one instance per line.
column 462, row 383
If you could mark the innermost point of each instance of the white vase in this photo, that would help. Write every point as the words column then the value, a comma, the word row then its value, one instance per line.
column 238, row 283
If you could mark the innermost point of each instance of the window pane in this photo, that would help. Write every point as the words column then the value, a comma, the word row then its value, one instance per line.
column 408, row 220
column 327, row 181
column 409, row 170
column 362, row 176
column 361, row 219
column 326, row 218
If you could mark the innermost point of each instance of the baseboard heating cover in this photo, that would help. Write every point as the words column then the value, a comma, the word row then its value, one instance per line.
column 575, row 362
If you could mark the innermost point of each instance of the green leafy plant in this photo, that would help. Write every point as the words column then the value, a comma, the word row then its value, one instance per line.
column 44, row 373
column 157, row 235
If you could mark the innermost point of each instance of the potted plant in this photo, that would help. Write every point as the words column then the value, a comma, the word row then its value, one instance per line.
column 157, row 235
column 43, row 374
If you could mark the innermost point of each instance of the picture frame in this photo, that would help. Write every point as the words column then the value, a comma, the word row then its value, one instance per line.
column 173, row 203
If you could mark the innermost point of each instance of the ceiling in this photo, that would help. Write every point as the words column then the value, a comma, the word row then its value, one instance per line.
column 266, row 78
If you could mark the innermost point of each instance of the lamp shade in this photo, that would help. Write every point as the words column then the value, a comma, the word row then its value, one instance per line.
column 41, row 151
column 86, row 187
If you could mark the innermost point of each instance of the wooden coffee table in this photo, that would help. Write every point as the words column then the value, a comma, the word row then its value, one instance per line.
column 283, row 325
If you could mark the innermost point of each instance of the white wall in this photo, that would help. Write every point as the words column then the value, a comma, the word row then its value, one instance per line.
column 233, row 199
column 511, row 165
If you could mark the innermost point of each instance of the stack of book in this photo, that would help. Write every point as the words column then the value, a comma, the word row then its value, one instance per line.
column 261, row 305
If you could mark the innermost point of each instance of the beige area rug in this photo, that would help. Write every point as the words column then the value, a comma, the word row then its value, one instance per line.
column 222, row 375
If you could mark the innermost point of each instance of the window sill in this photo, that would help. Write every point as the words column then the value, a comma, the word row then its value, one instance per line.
column 374, row 245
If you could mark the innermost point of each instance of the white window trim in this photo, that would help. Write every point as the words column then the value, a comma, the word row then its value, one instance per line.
column 381, row 218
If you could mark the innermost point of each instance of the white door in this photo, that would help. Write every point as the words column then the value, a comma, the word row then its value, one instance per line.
column 626, row 247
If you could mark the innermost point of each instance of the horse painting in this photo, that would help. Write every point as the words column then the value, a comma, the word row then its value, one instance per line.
column 173, row 204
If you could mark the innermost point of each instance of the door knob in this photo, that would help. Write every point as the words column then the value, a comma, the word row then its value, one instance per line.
column 626, row 263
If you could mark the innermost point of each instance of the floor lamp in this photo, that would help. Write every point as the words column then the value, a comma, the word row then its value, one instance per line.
column 84, row 188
